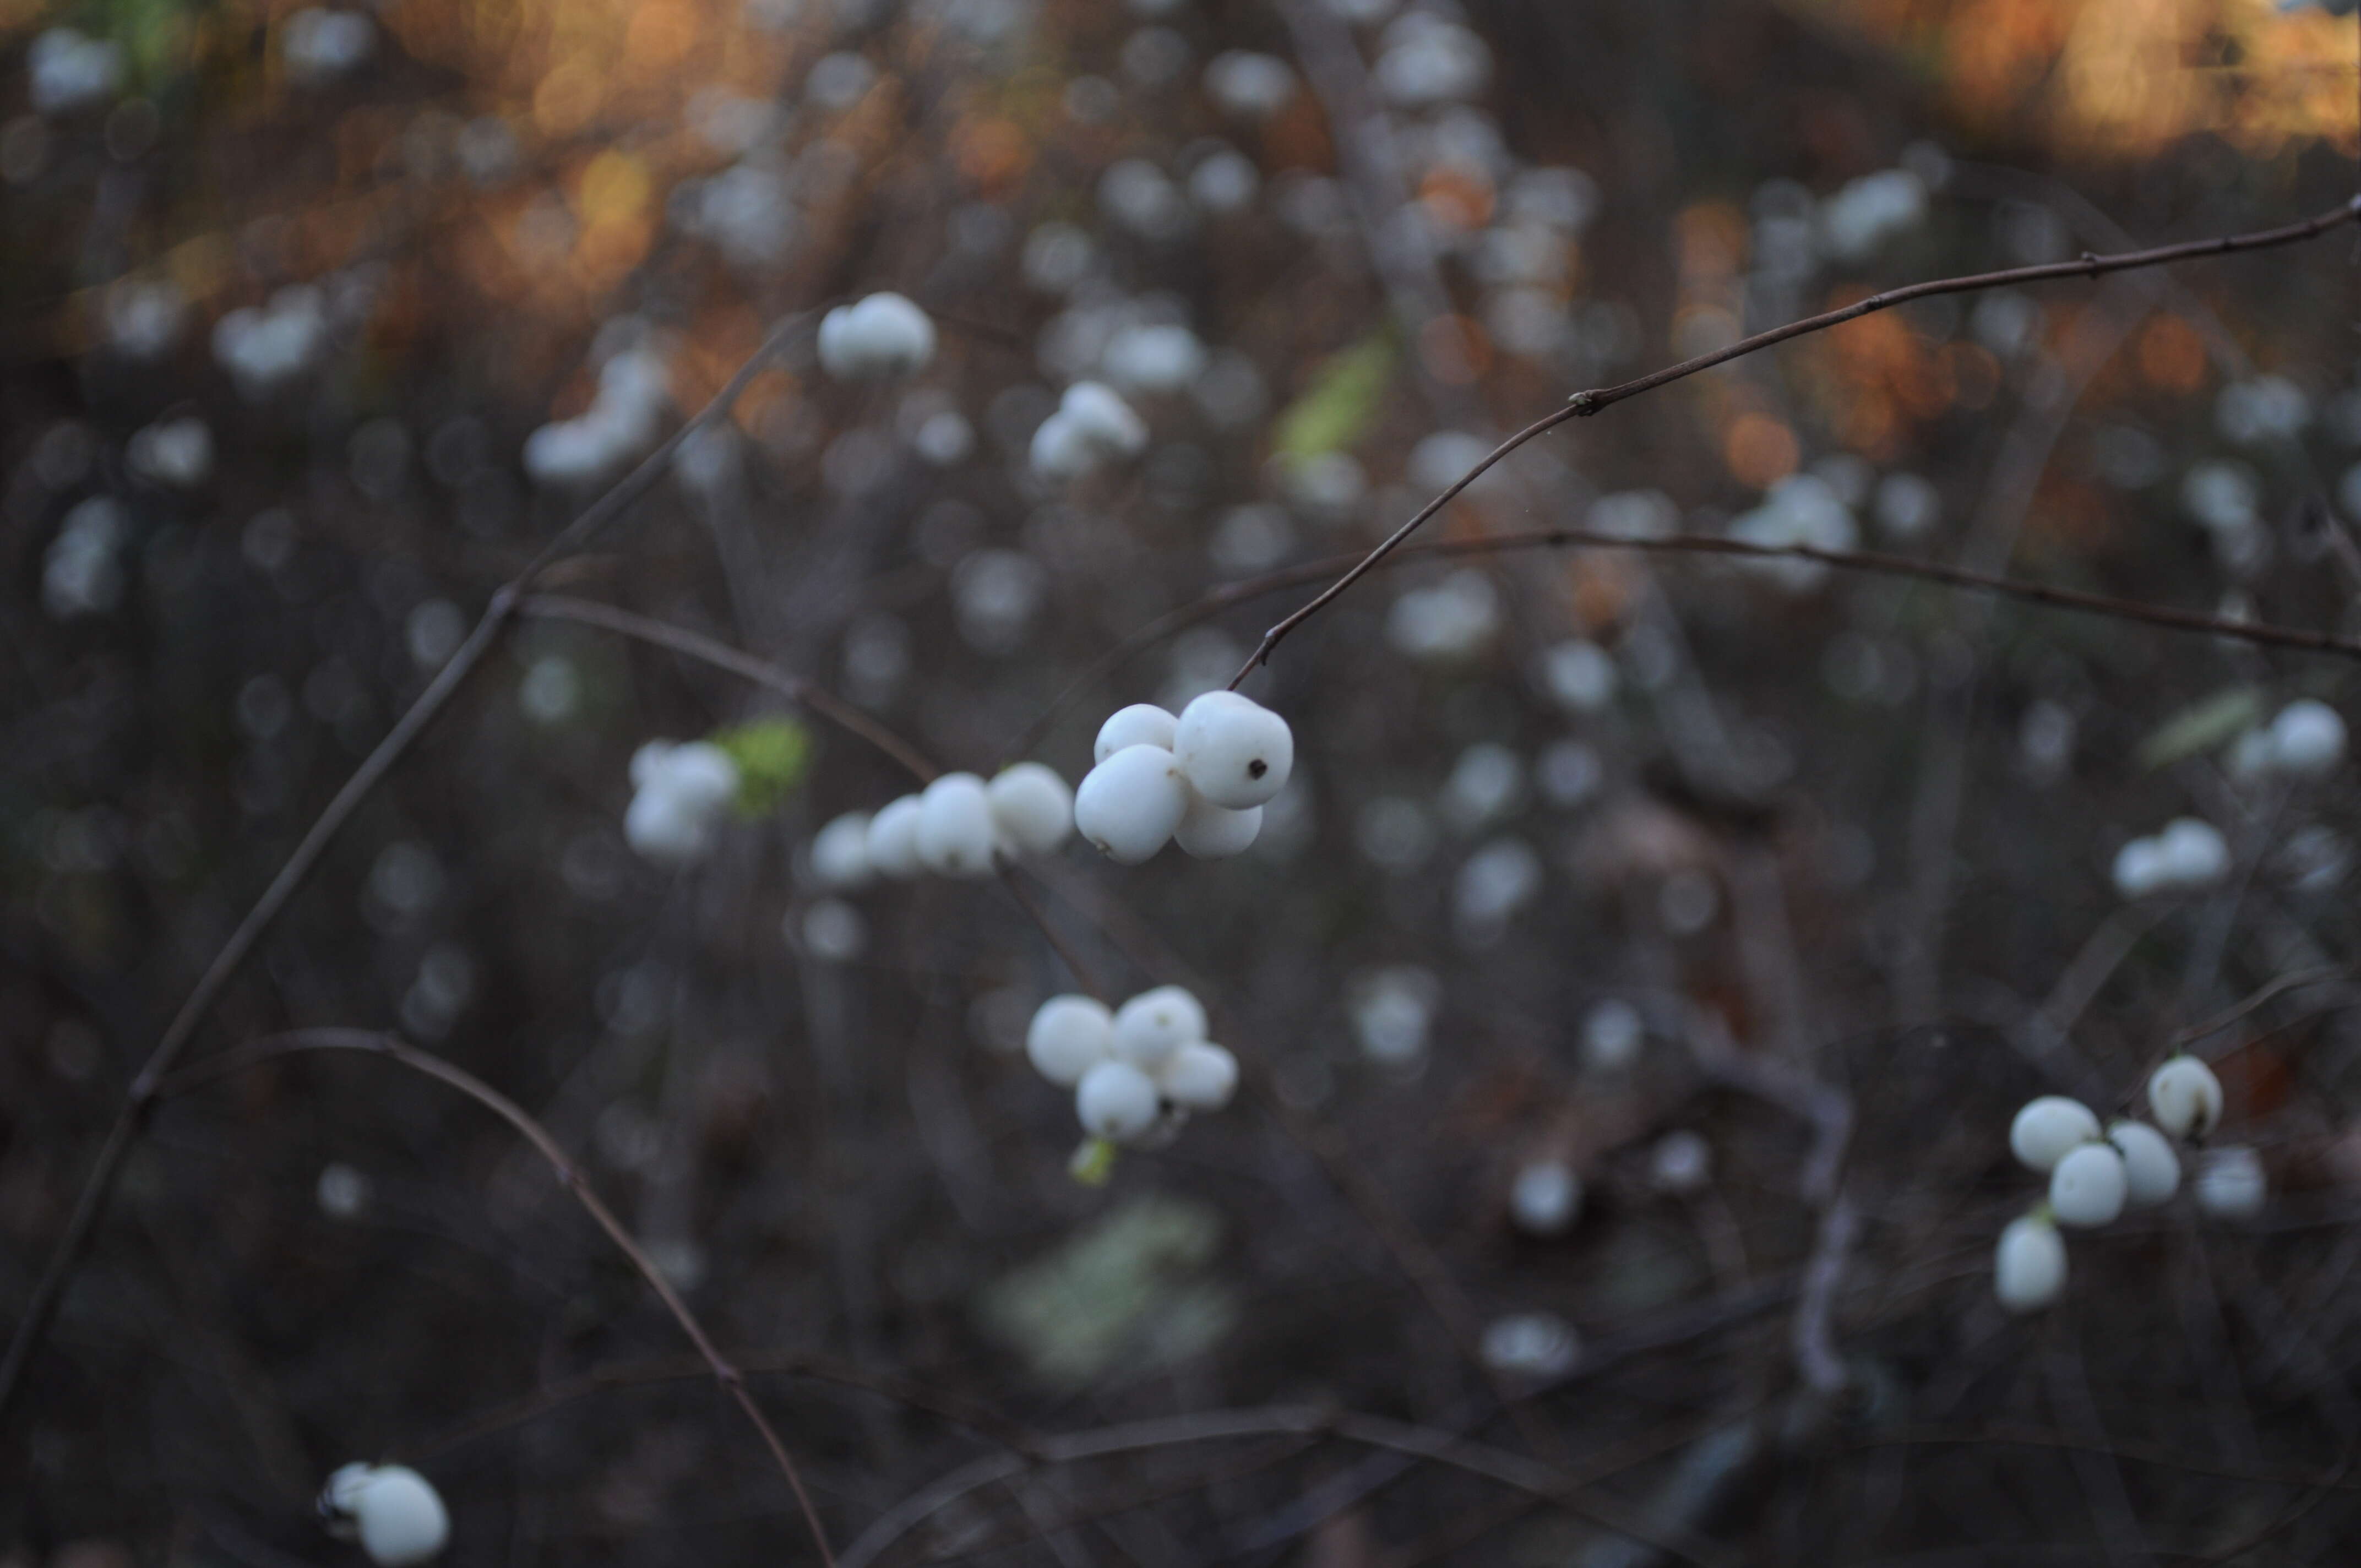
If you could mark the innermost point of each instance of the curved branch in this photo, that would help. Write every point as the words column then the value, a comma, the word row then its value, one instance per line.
column 368, row 1043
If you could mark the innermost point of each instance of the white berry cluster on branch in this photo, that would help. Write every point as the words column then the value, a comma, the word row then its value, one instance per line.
column 878, row 339
column 2095, row 1175
column 2187, row 855
column 1136, row 1072
column 1200, row 780
column 680, row 793
column 958, row 826
column 393, row 1511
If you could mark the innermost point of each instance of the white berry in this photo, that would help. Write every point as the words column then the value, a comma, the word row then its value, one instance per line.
column 1211, row 833
column 880, row 337
column 394, row 1511
column 1545, row 1199
column 1032, row 809
column 2045, row 1129
column 2029, row 1265
column 2151, row 1170
column 840, row 852
column 1070, row 1035
column 2306, row 739
column 2185, row 1097
column 2088, row 1186
column 1116, row 1102
column 893, row 839
column 1199, row 1077
column 681, row 794
column 1682, row 1162
column 1092, row 426
column 1236, row 752
column 1152, row 1025
column 955, row 834
column 2229, row 1183
column 1130, row 805
column 1141, row 724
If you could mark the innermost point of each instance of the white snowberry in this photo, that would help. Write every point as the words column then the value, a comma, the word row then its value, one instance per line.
column 1116, row 1102
column 2151, row 1170
column 840, row 852
column 1093, row 427
column 680, row 794
column 2306, row 739
column 1236, row 752
column 893, row 839
column 1199, row 1077
column 2029, row 1265
column 1545, row 1199
column 880, row 337
column 393, row 1511
column 1681, row 1163
column 1141, row 724
column 2045, row 1129
column 1130, row 805
column 955, row 834
column 1032, row 809
column 2185, row 1097
column 2088, row 1186
column 1212, row 833
column 2229, row 1183
column 1070, row 1035
column 1152, row 1025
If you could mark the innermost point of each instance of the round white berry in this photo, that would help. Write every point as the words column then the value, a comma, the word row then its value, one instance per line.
column 2045, row 1129
column 1612, row 1034
column 1682, row 1162
column 2306, row 739
column 1152, row 1025
column 661, row 826
column 394, row 1511
column 1199, row 1077
column 1236, row 752
column 1116, row 1102
column 1545, row 1199
column 2229, row 1183
column 840, row 852
column 955, row 834
column 1070, row 1035
column 2151, row 1170
column 1130, row 805
column 2029, row 1265
column 1141, row 724
column 2185, row 1097
column 882, row 336
column 1211, row 833
column 1032, row 809
column 893, row 839
column 2088, row 1186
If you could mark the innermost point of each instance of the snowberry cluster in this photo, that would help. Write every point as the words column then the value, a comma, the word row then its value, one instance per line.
column 877, row 339
column 1200, row 780
column 1092, row 428
column 1136, row 1072
column 2187, row 855
column 2094, row 1176
column 957, row 827
column 2304, row 741
column 395, row 1513
column 680, row 793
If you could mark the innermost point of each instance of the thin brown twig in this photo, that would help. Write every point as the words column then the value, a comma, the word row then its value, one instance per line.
column 1584, row 404
column 2276, row 988
column 40, row 1308
column 369, row 1043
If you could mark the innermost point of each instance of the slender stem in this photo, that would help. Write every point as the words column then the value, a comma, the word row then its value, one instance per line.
column 41, row 1307
column 368, row 1043
column 1582, row 405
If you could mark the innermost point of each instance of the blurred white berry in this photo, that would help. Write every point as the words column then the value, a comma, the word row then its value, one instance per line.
column 2029, row 1265
column 681, row 794
column 1391, row 1012
column 1209, row 832
column 2151, row 1170
column 1612, row 1034
column 881, row 337
column 1199, row 1077
column 1117, row 1102
column 1255, row 86
column 1154, row 1025
column 2045, row 1129
column 1141, row 724
column 2088, row 1186
column 1093, row 427
column 1681, row 1163
column 2306, row 739
column 840, row 852
column 1545, row 1199
column 1131, row 804
column 395, row 1512
column 2229, row 1183
column 1032, row 809
column 2187, row 855
column 1529, row 1345
column 2185, row 1097
column 955, row 833
column 893, row 839
column 1070, row 1035
column 1236, row 752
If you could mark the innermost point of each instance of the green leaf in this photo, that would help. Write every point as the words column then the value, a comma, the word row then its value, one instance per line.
column 2212, row 721
column 1337, row 408
column 1093, row 1162
column 773, row 756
